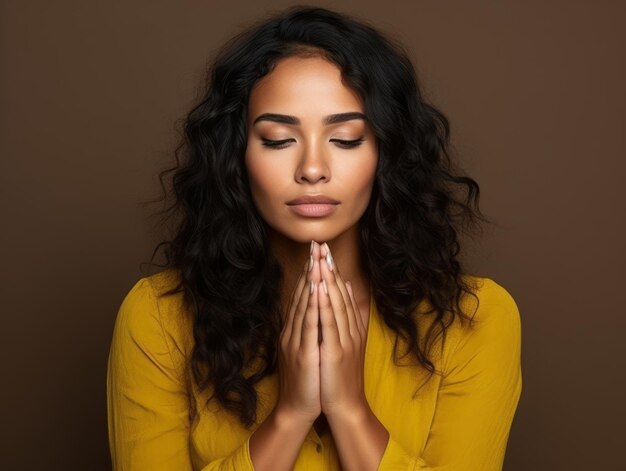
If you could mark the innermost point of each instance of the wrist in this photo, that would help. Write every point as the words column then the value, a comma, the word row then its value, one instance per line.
column 275, row 444
column 287, row 419
column 358, row 414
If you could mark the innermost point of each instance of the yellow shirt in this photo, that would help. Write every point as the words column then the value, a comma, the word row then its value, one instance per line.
column 461, row 422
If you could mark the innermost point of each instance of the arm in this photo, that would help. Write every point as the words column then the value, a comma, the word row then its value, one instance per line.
column 475, row 406
column 276, row 443
column 148, row 408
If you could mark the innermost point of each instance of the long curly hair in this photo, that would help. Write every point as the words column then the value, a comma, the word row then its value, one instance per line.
column 409, row 234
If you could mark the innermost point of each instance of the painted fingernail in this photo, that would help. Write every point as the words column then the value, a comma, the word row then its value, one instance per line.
column 312, row 244
column 324, row 286
column 311, row 283
column 311, row 263
column 329, row 261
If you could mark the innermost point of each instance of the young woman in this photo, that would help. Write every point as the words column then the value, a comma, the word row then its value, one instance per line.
column 312, row 313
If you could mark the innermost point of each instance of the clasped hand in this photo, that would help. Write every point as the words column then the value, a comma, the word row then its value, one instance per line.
column 322, row 344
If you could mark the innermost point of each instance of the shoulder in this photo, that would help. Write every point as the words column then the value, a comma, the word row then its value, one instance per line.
column 153, row 319
column 496, row 322
column 491, row 301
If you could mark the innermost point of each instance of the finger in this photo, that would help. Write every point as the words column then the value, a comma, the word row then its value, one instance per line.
column 293, row 301
column 295, row 293
column 337, row 305
column 355, row 321
column 315, row 254
column 309, row 335
column 317, row 277
column 330, row 330
column 351, row 313
column 305, row 299
column 355, row 307
column 336, row 272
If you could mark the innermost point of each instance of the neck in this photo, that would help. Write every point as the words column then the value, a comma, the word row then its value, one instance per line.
column 292, row 255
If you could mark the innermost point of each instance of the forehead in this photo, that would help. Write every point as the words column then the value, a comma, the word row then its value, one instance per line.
column 303, row 86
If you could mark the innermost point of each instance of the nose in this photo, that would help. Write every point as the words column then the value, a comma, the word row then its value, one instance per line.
column 313, row 165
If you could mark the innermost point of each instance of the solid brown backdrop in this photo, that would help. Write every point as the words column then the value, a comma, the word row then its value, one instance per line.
column 91, row 93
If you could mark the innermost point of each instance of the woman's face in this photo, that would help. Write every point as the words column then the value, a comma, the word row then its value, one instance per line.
column 308, row 114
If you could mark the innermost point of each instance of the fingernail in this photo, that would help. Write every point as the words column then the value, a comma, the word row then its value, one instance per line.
column 312, row 243
column 311, row 263
column 324, row 286
column 329, row 258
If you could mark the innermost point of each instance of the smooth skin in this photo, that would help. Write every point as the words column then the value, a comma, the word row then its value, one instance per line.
column 322, row 342
column 311, row 161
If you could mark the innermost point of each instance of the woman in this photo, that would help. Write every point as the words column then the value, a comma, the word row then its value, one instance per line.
column 313, row 313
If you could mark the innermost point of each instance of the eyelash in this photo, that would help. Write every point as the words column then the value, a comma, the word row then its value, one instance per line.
column 281, row 144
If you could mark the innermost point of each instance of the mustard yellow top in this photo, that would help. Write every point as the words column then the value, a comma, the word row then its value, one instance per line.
column 157, row 418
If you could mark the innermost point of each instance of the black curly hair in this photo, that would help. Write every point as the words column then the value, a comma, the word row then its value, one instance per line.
column 409, row 233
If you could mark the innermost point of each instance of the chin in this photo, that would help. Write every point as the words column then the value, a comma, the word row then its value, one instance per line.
column 318, row 231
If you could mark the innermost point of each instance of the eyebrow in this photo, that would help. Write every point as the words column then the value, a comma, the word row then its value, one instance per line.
column 330, row 119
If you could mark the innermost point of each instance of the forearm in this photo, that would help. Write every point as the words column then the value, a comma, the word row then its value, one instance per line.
column 360, row 438
column 276, row 443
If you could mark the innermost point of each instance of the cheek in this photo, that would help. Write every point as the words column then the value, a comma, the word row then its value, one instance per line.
column 256, row 170
column 363, row 187
column 263, row 176
column 362, row 176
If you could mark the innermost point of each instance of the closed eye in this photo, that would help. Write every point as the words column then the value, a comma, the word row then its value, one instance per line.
column 348, row 144
column 275, row 144
column 281, row 144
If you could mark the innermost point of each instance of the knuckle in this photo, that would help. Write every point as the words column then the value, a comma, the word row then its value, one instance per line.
column 339, row 356
column 308, row 324
column 301, row 359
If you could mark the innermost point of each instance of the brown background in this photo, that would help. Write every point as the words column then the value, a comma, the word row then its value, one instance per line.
column 91, row 92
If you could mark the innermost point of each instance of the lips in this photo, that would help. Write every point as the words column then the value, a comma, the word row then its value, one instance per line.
column 313, row 206
column 312, row 199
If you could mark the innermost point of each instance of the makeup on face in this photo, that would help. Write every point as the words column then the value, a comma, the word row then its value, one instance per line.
column 311, row 156
column 272, row 137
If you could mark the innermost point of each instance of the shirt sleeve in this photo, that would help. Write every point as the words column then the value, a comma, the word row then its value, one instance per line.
column 478, row 395
column 147, row 398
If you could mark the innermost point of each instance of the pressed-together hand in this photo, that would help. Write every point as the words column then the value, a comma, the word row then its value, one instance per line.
column 328, row 376
column 299, row 354
column 342, row 351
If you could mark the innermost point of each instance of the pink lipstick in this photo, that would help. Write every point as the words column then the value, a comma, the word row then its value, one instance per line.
column 313, row 205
